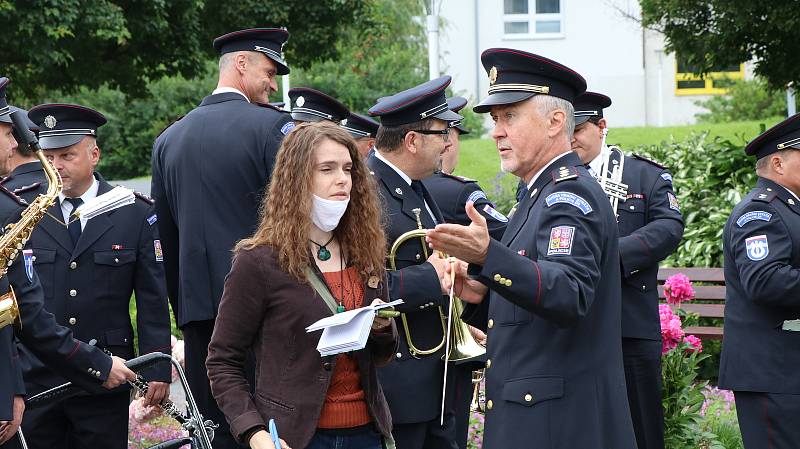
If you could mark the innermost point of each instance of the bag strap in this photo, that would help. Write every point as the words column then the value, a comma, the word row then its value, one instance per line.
column 321, row 288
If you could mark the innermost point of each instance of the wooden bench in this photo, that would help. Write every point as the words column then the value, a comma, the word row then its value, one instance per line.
column 709, row 299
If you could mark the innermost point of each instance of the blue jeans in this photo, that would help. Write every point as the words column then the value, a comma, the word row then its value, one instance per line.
column 366, row 439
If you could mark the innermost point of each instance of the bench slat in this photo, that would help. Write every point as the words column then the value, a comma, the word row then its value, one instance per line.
column 704, row 310
column 694, row 274
column 702, row 292
column 705, row 332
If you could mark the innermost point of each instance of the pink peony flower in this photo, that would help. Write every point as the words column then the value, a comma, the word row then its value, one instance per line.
column 671, row 330
column 678, row 288
column 695, row 344
column 177, row 353
column 139, row 413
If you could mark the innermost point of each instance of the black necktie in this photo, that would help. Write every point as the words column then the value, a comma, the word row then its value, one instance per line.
column 416, row 186
column 74, row 227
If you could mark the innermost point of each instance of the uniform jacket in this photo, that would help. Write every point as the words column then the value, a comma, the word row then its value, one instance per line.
column 452, row 192
column 209, row 173
column 554, row 370
column 266, row 310
column 88, row 289
column 650, row 229
column 762, row 280
column 413, row 386
column 84, row 365
column 27, row 181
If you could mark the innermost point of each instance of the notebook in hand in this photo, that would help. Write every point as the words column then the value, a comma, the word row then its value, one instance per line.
column 347, row 331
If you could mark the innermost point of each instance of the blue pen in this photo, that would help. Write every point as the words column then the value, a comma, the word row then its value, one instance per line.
column 273, row 431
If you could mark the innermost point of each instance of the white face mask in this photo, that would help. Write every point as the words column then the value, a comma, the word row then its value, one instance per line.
column 327, row 213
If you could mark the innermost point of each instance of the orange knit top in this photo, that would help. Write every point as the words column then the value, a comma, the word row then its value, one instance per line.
column 345, row 405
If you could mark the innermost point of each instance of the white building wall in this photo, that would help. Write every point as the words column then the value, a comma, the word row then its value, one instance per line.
column 602, row 40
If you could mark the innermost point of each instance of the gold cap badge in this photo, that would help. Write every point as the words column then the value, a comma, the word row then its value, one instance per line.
column 492, row 75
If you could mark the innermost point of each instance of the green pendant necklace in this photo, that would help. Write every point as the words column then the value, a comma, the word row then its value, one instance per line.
column 322, row 253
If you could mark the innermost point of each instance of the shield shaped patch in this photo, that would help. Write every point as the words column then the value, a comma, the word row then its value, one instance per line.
column 757, row 247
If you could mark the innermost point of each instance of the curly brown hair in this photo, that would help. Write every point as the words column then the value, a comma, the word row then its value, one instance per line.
column 286, row 209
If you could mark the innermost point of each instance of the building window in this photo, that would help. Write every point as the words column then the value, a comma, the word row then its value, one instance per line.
column 716, row 82
column 531, row 19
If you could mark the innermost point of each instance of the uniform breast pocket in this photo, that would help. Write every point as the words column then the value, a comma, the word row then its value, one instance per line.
column 44, row 263
column 631, row 215
column 113, row 271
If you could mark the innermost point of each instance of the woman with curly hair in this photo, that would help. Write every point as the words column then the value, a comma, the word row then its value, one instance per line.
column 320, row 218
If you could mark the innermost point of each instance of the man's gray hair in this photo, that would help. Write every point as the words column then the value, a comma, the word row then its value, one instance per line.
column 548, row 103
column 763, row 165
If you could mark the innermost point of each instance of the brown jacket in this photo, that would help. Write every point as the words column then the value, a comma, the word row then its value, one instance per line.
column 265, row 309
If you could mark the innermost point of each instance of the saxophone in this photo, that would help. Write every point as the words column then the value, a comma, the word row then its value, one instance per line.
column 16, row 235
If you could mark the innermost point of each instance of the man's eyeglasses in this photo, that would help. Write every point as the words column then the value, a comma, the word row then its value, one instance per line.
column 445, row 133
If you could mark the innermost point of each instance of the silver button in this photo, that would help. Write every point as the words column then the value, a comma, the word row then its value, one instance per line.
column 73, row 265
column 72, row 321
column 97, row 374
column 633, row 208
column 73, row 292
column 399, row 355
column 116, row 260
column 418, row 257
column 90, row 370
column 33, row 258
column 644, row 287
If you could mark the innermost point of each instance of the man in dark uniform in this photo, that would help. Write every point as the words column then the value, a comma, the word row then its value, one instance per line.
column 84, row 365
column 364, row 130
column 309, row 105
column 761, row 345
column 411, row 140
column 452, row 193
column 209, row 173
column 650, row 229
column 22, row 154
column 88, row 270
column 548, row 293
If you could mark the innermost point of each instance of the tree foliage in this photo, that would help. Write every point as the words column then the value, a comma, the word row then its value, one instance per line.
column 745, row 100
column 717, row 33
column 68, row 44
column 388, row 57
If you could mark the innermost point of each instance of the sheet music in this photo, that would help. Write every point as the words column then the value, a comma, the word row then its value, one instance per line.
column 347, row 331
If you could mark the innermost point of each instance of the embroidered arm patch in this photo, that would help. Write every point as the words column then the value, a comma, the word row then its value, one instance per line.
column 673, row 202
column 492, row 212
column 476, row 195
column 753, row 215
column 666, row 177
column 561, row 238
column 757, row 247
column 569, row 198
column 152, row 219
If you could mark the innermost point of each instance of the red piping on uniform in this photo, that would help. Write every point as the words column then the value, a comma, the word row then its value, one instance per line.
column 74, row 350
column 647, row 248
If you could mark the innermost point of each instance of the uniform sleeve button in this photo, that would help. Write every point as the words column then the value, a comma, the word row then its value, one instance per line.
column 399, row 355
column 73, row 292
column 73, row 265
column 644, row 287
column 528, row 397
column 97, row 374
column 489, row 404
column 33, row 258
column 497, row 278
column 90, row 370
column 490, row 324
column 508, row 282
column 72, row 321
column 116, row 260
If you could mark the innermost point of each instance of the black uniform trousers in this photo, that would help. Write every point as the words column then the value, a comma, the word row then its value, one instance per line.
column 768, row 420
column 462, row 400
column 426, row 435
column 196, row 336
column 642, row 361
column 79, row 418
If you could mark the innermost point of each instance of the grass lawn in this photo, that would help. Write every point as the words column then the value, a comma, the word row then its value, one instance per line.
column 479, row 159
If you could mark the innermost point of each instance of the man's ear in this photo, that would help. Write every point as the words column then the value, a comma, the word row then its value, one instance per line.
column 557, row 122
column 410, row 142
column 240, row 62
column 602, row 124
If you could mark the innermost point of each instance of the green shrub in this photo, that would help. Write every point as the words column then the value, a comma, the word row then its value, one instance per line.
column 710, row 177
column 745, row 100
